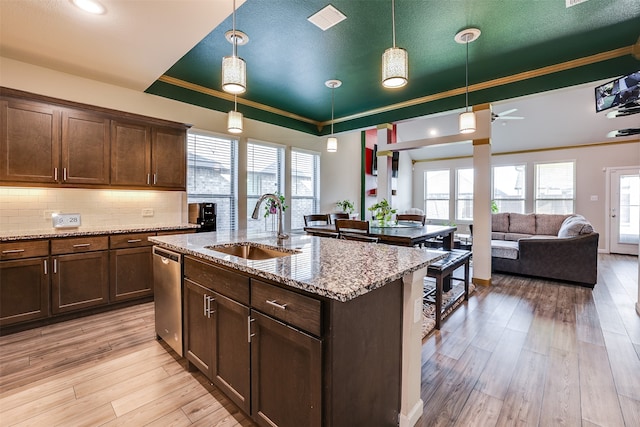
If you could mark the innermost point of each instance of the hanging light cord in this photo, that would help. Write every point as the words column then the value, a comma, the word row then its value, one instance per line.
column 235, row 103
column 466, row 74
column 235, row 38
column 393, row 21
column 332, row 89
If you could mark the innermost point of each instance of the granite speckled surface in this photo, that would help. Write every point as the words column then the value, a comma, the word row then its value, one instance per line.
column 51, row 233
column 333, row 268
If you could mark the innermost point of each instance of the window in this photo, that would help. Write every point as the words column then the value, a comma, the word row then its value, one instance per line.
column 437, row 190
column 212, row 175
column 509, row 188
column 554, row 191
column 305, row 186
column 464, row 194
column 265, row 174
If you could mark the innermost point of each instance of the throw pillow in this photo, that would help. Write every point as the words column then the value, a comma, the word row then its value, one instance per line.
column 574, row 226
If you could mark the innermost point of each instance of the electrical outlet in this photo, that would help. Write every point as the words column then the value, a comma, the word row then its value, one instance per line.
column 48, row 213
column 147, row 212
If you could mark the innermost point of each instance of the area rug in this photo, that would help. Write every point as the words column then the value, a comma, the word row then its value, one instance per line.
column 429, row 308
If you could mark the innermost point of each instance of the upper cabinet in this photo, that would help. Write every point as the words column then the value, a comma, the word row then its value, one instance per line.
column 55, row 142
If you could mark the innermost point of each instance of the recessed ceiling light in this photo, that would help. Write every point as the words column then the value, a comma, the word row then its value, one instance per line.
column 433, row 132
column 91, row 6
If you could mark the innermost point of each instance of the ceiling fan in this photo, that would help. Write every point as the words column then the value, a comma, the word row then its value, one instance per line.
column 505, row 115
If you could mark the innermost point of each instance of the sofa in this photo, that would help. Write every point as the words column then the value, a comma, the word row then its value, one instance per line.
column 560, row 247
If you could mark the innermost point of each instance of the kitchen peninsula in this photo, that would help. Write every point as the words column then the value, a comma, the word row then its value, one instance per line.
column 328, row 331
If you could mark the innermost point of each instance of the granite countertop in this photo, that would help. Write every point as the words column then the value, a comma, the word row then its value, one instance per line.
column 333, row 268
column 50, row 233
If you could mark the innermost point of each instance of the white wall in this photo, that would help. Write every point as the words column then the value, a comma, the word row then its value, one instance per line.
column 590, row 175
column 339, row 171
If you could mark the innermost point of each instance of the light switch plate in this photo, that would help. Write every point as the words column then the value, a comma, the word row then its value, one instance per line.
column 62, row 220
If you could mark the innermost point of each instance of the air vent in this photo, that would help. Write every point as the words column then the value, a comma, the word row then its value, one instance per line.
column 326, row 18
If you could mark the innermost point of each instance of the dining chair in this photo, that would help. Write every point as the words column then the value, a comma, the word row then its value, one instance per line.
column 338, row 215
column 316, row 219
column 354, row 229
column 412, row 217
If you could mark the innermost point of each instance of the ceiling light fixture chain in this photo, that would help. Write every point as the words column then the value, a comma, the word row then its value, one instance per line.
column 467, row 120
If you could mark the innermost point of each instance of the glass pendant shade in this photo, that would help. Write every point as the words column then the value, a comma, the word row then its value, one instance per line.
column 234, row 74
column 395, row 67
column 234, row 122
column 467, row 122
column 332, row 144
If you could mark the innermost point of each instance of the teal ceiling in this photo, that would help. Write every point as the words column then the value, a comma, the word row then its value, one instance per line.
column 289, row 59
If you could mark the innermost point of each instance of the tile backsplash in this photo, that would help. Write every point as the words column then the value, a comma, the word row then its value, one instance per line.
column 30, row 208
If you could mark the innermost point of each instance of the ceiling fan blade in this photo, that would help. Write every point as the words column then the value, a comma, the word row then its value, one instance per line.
column 504, row 113
column 510, row 118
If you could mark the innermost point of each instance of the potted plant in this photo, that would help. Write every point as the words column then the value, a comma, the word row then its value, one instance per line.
column 346, row 205
column 382, row 211
column 271, row 208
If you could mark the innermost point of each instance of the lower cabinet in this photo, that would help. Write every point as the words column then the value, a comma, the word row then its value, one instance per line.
column 131, row 273
column 24, row 290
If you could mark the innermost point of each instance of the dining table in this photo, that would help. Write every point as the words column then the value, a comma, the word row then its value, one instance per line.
column 401, row 233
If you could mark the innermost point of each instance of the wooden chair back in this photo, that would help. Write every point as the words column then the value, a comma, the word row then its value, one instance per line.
column 337, row 215
column 352, row 226
column 412, row 217
column 315, row 219
column 359, row 237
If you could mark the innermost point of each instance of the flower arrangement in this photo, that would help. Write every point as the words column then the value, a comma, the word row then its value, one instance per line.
column 346, row 205
column 382, row 211
column 271, row 208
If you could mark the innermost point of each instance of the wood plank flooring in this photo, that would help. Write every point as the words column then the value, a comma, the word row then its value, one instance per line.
column 521, row 352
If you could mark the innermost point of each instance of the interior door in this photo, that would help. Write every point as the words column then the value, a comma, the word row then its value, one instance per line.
column 624, row 215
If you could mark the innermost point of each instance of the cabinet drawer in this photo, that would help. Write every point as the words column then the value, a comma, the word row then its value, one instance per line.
column 79, row 244
column 228, row 283
column 296, row 309
column 132, row 240
column 24, row 249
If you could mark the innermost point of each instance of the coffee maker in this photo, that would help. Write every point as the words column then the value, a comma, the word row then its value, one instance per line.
column 203, row 214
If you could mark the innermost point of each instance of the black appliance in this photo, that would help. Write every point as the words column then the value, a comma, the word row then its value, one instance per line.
column 203, row 214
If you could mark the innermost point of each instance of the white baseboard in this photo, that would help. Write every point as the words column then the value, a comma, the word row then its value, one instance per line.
column 410, row 419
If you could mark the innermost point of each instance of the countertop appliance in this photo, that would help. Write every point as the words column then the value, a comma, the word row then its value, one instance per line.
column 203, row 214
column 167, row 281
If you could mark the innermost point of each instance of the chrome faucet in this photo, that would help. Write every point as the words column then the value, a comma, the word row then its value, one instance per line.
column 276, row 199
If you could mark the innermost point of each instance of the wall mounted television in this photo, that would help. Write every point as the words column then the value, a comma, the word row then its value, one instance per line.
column 621, row 92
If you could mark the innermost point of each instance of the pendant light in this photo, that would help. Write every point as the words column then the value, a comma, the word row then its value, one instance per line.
column 395, row 60
column 467, row 120
column 234, row 118
column 234, row 69
column 332, row 141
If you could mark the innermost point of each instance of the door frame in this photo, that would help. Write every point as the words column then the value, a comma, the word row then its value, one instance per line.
column 609, row 201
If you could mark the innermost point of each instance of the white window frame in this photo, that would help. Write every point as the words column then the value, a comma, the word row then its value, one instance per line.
column 536, row 196
column 297, row 222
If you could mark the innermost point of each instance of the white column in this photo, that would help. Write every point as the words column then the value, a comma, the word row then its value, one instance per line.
column 482, row 211
column 384, row 163
column 411, row 405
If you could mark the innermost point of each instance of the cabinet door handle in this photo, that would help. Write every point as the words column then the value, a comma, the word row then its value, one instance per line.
column 55, row 266
column 206, row 303
column 249, row 334
column 82, row 245
column 155, row 178
column 148, row 178
column 55, row 174
column 134, row 240
column 13, row 251
column 45, row 267
column 275, row 304
column 64, row 174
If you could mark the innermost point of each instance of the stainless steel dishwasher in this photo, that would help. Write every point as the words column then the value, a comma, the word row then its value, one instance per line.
column 167, row 281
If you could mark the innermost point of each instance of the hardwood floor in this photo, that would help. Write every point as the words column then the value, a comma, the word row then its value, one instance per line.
column 523, row 351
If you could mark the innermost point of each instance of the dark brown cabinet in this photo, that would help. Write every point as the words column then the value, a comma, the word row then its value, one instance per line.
column 169, row 157
column 198, row 327
column 85, row 148
column 24, row 281
column 30, row 141
column 131, row 272
column 80, row 276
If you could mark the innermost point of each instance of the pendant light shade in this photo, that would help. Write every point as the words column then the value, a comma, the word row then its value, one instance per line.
column 332, row 144
column 234, row 122
column 467, row 120
column 395, row 60
column 234, row 69
column 332, row 141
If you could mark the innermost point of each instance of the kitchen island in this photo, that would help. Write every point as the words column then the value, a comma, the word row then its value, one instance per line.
column 332, row 328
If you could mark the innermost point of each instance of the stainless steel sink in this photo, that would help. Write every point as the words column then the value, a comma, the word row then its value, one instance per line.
column 253, row 251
